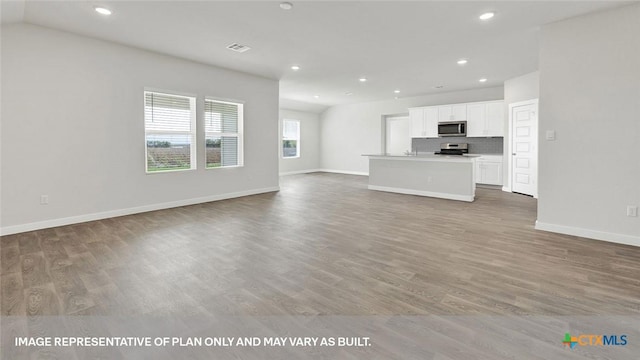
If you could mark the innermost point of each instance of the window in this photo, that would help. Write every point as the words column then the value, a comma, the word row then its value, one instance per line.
column 223, row 133
column 290, row 139
column 169, row 125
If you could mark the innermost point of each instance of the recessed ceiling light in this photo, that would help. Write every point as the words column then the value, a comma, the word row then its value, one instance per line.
column 462, row 61
column 102, row 10
column 396, row 91
column 295, row 67
column 362, row 79
column 286, row 6
column 487, row 16
column 349, row 93
column 483, row 80
column 316, row 96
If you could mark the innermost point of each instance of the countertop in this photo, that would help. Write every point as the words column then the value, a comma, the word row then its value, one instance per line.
column 425, row 157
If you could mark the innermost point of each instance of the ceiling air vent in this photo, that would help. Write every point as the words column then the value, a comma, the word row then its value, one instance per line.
column 239, row 48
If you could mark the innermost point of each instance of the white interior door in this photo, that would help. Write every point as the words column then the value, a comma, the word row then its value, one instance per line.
column 398, row 135
column 524, row 140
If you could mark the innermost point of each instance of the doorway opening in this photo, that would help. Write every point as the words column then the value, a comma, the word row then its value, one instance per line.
column 397, row 139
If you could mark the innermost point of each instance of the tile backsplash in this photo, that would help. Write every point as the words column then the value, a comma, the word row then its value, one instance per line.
column 491, row 145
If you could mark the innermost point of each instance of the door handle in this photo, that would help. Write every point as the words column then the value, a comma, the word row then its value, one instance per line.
column 514, row 154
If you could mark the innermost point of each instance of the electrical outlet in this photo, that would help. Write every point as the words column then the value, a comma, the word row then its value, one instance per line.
column 632, row 211
column 44, row 199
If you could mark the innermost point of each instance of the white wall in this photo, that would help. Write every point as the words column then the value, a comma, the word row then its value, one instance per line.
column 348, row 131
column 525, row 87
column 521, row 88
column 309, row 159
column 72, row 128
column 590, row 95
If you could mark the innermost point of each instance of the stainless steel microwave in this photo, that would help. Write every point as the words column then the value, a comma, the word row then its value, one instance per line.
column 452, row 128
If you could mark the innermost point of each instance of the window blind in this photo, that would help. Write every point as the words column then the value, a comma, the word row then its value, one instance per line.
column 169, row 131
column 165, row 112
column 290, row 130
column 290, row 138
column 220, row 117
column 223, row 123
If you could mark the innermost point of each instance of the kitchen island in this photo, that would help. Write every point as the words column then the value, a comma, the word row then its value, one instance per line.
column 442, row 176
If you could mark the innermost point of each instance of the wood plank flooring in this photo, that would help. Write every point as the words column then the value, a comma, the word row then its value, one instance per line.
column 324, row 244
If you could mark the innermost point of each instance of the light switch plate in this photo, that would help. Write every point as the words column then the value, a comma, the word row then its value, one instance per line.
column 550, row 135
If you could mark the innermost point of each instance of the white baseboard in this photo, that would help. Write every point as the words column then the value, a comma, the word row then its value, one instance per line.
column 589, row 233
column 300, row 172
column 467, row 198
column 506, row 189
column 361, row 173
column 14, row 229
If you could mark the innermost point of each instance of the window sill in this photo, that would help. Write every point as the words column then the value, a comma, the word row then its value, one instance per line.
column 224, row 167
column 167, row 171
column 291, row 157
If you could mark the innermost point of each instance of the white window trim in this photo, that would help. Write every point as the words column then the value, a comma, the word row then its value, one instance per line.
column 193, row 132
column 282, row 139
column 239, row 135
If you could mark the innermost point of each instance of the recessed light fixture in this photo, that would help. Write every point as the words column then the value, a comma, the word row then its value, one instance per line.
column 487, row 16
column 348, row 93
column 316, row 96
column 483, row 80
column 396, row 91
column 102, row 10
column 286, row 6
column 295, row 67
column 462, row 61
column 363, row 79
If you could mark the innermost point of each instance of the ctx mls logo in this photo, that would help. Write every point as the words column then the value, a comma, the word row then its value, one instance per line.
column 594, row 340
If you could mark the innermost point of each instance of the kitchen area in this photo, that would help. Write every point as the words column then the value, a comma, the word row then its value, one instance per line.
column 454, row 147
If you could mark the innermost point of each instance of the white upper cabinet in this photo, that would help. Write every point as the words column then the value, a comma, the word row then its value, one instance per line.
column 417, row 122
column 455, row 112
column 476, row 119
column 424, row 122
column 431, row 122
column 495, row 118
column 459, row 112
column 485, row 119
column 445, row 113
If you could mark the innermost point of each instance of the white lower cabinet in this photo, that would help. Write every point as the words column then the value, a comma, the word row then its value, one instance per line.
column 489, row 170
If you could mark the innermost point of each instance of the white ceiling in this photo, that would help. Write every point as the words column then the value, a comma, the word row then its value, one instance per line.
column 407, row 45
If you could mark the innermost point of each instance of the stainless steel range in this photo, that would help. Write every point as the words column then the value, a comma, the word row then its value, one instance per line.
column 453, row 149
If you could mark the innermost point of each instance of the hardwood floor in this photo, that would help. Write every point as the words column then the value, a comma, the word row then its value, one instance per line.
column 323, row 245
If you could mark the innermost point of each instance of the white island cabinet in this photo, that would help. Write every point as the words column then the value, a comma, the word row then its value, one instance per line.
column 447, row 177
